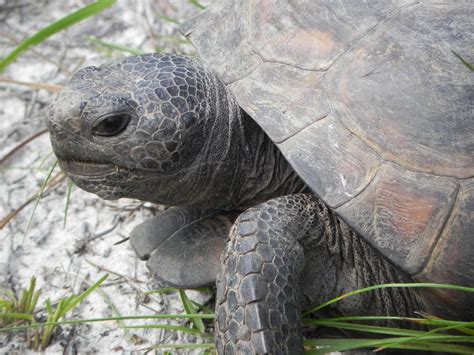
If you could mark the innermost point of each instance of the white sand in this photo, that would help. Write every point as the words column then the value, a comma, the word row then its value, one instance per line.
column 66, row 260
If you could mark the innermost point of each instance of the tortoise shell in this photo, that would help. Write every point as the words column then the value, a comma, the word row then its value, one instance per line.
column 371, row 107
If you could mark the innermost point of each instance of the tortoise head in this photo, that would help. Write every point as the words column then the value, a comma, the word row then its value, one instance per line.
column 135, row 128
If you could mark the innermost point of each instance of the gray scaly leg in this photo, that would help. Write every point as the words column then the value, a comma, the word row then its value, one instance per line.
column 287, row 254
column 183, row 245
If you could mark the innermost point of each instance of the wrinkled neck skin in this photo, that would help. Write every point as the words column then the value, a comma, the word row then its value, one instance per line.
column 185, row 142
column 239, row 166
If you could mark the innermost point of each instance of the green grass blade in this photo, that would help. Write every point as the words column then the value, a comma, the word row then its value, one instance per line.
column 6, row 304
column 49, row 329
column 444, row 322
column 202, row 307
column 22, row 302
column 369, row 328
column 23, row 316
column 40, row 194
column 191, row 309
column 34, row 302
column 197, row 4
column 70, row 186
column 44, row 160
column 114, row 46
column 329, row 345
column 9, row 294
column 78, row 299
column 425, row 335
column 395, row 285
column 30, row 293
column 55, row 27
column 465, row 62
column 49, row 308
column 463, row 327
column 108, row 319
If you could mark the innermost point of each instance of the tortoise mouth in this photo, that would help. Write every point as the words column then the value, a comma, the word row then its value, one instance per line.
column 86, row 168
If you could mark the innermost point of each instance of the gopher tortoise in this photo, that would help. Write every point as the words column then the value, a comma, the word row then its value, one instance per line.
column 315, row 148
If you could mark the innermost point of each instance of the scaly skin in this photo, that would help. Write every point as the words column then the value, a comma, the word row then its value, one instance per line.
column 183, row 246
column 164, row 129
column 187, row 143
column 285, row 255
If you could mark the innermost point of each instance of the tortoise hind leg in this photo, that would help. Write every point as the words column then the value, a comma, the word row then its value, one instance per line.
column 285, row 255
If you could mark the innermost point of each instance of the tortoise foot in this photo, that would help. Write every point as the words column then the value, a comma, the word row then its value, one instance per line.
column 183, row 246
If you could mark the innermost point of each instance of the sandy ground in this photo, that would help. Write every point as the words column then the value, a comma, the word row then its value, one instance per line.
column 69, row 259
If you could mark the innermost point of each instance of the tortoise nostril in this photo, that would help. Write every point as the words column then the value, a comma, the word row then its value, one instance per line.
column 55, row 129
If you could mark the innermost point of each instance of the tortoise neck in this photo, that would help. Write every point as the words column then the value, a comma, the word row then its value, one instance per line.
column 264, row 171
column 253, row 168
column 238, row 165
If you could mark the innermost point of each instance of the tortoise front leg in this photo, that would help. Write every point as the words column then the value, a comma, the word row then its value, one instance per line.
column 288, row 254
column 183, row 246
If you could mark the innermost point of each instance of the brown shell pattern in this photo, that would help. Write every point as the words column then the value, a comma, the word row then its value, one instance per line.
column 370, row 106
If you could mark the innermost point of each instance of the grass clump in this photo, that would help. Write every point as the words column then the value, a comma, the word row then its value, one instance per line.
column 18, row 314
column 447, row 336
column 16, row 311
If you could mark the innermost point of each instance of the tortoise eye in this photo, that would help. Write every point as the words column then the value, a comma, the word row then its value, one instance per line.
column 111, row 125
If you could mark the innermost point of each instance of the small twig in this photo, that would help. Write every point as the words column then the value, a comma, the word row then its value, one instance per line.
column 121, row 241
column 98, row 235
column 22, row 144
column 54, row 182
column 113, row 272
column 45, row 86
